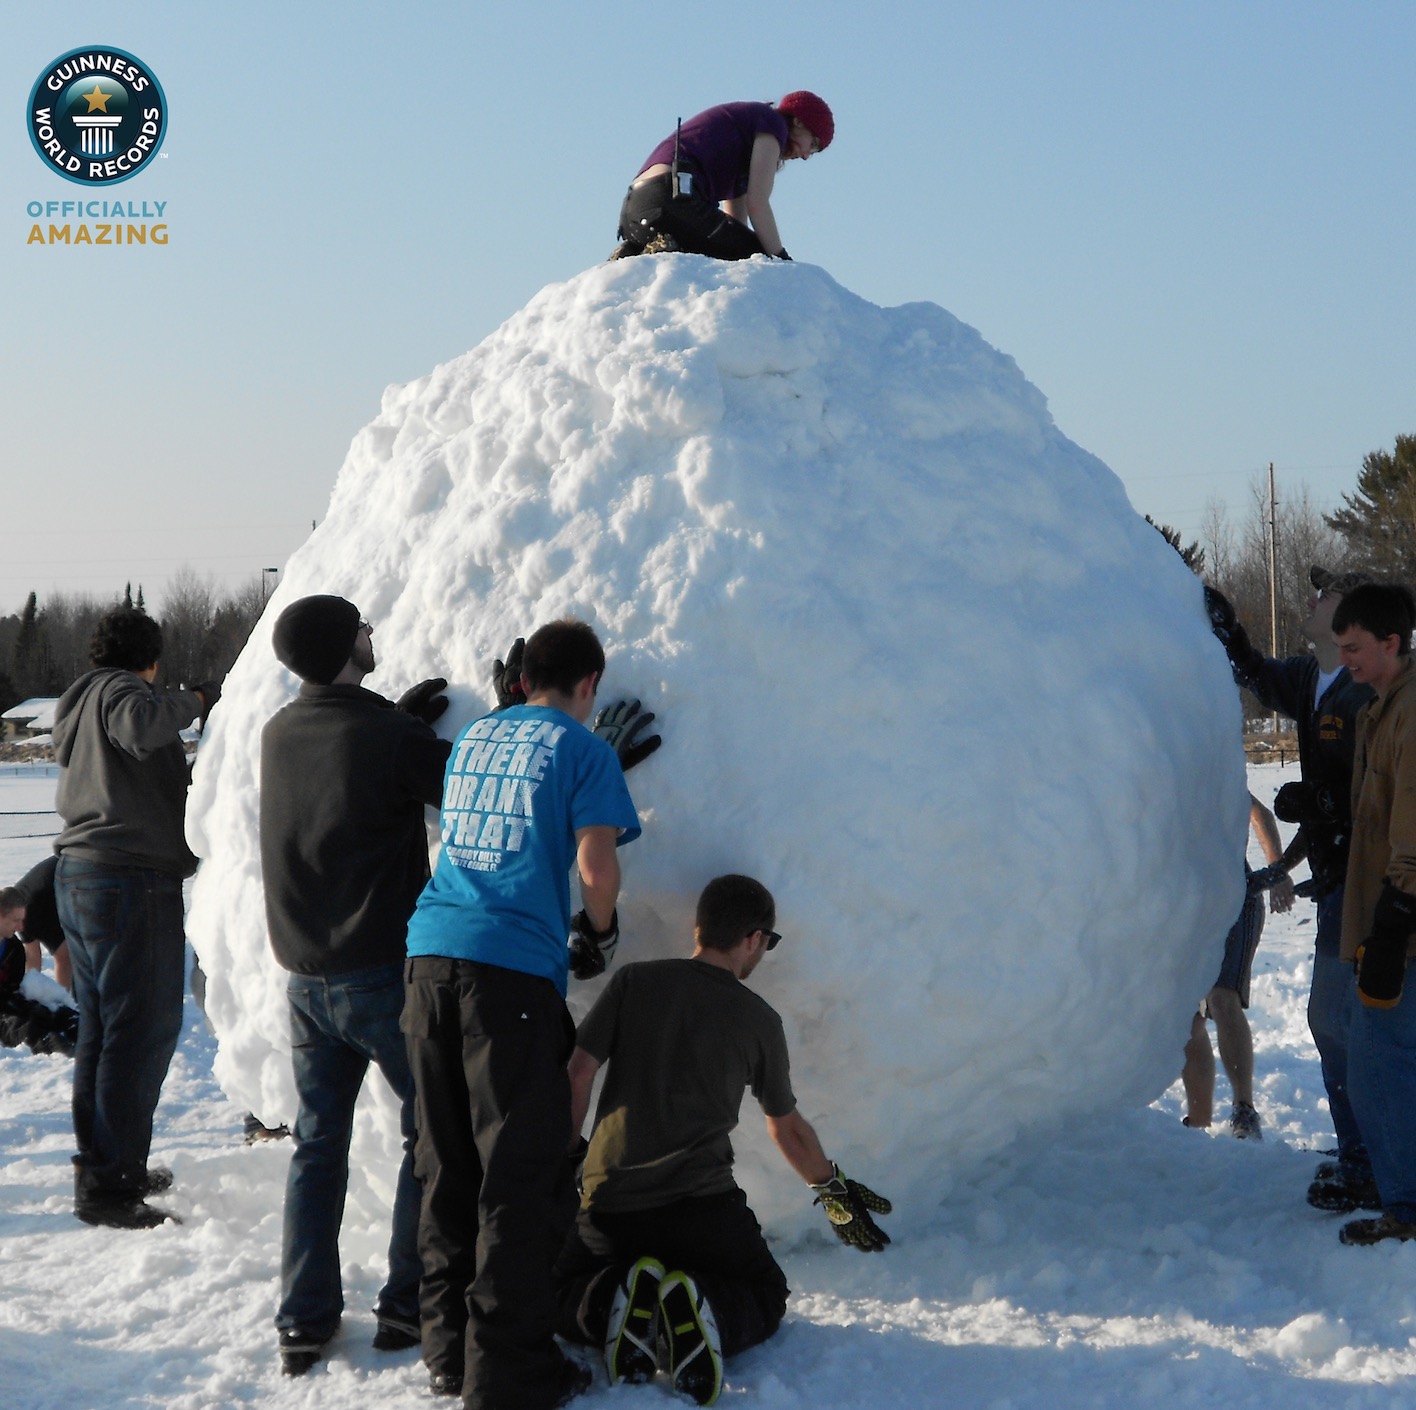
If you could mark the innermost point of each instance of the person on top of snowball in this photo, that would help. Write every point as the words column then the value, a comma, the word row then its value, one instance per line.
column 665, row 1248
column 1318, row 693
column 706, row 189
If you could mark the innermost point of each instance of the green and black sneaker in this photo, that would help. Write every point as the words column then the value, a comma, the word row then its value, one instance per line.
column 632, row 1336
column 690, row 1332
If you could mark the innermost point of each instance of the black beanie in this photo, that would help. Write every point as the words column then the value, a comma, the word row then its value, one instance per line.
column 314, row 637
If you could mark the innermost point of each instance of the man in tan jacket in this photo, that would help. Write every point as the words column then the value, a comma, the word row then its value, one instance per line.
column 1372, row 627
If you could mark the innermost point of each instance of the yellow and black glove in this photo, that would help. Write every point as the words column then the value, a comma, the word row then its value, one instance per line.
column 849, row 1205
column 1381, row 962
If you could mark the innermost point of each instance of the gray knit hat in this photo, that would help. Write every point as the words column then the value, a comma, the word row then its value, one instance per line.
column 314, row 637
column 1336, row 583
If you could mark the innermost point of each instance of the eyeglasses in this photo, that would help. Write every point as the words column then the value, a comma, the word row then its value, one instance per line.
column 772, row 936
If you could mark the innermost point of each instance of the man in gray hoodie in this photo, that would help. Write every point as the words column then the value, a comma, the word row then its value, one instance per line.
column 122, row 859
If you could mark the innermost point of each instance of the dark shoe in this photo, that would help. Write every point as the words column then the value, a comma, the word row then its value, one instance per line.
column 626, row 249
column 691, row 1334
column 1350, row 1170
column 120, row 1212
column 394, row 1334
column 1339, row 1196
column 445, row 1382
column 660, row 244
column 157, row 1180
column 631, row 1338
column 1373, row 1231
column 1244, row 1122
column 299, row 1351
column 575, row 1379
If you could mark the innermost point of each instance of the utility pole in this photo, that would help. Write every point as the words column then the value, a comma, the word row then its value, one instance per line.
column 266, row 575
column 1273, row 581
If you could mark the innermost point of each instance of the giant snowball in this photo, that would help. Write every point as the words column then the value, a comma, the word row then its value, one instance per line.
column 918, row 665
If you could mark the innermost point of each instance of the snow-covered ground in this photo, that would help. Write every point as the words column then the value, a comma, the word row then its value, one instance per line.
column 1126, row 1262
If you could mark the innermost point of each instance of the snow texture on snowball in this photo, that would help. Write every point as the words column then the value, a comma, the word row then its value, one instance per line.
column 896, row 627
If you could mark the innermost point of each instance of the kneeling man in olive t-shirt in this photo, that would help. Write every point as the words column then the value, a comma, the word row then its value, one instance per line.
column 666, row 1264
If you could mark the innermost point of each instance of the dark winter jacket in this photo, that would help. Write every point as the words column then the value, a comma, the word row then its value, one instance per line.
column 345, row 777
column 122, row 772
column 1326, row 741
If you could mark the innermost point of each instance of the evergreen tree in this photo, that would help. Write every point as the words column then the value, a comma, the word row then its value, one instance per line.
column 127, row 594
column 26, row 662
column 1378, row 522
column 1194, row 556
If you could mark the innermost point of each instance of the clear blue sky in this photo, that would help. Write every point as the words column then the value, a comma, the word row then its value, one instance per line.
column 1190, row 224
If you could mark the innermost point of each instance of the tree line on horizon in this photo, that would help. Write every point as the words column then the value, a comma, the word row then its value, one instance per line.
column 44, row 647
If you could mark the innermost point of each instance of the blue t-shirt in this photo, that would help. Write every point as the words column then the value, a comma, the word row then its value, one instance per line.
column 519, row 784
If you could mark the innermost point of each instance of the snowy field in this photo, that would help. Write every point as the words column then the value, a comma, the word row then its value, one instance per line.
column 1127, row 1262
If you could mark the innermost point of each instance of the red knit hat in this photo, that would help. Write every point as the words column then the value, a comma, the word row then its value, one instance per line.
column 811, row 112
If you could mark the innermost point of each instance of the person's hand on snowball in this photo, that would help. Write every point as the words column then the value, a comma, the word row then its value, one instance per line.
column 506, row 676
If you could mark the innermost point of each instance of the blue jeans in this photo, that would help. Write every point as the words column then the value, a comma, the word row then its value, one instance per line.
column 124, row 927
column 338, row 1025
column 1330, row 1002
column 1381, row 1075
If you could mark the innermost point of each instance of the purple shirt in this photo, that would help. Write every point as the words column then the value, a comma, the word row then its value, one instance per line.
column 717, row 146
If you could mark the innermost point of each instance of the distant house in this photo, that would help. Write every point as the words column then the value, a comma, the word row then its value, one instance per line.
column 29, row 718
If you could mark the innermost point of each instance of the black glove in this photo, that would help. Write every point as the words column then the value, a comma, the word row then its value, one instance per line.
column 1304, row 803
column 210, row 691
column 620, row 726
column 1266, row 877
column 506, row 676
column 423, row 700
column 1229, row 630
column 848, row 1205
column 1221, row 614
column 1381, row 962
column 590, row 949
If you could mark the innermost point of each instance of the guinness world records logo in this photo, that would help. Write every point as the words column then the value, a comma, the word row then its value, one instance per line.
column 97, row 115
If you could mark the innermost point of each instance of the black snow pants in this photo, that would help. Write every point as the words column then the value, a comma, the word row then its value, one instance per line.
column 716, row 1239
column 488, row 1048
column 696, row 225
